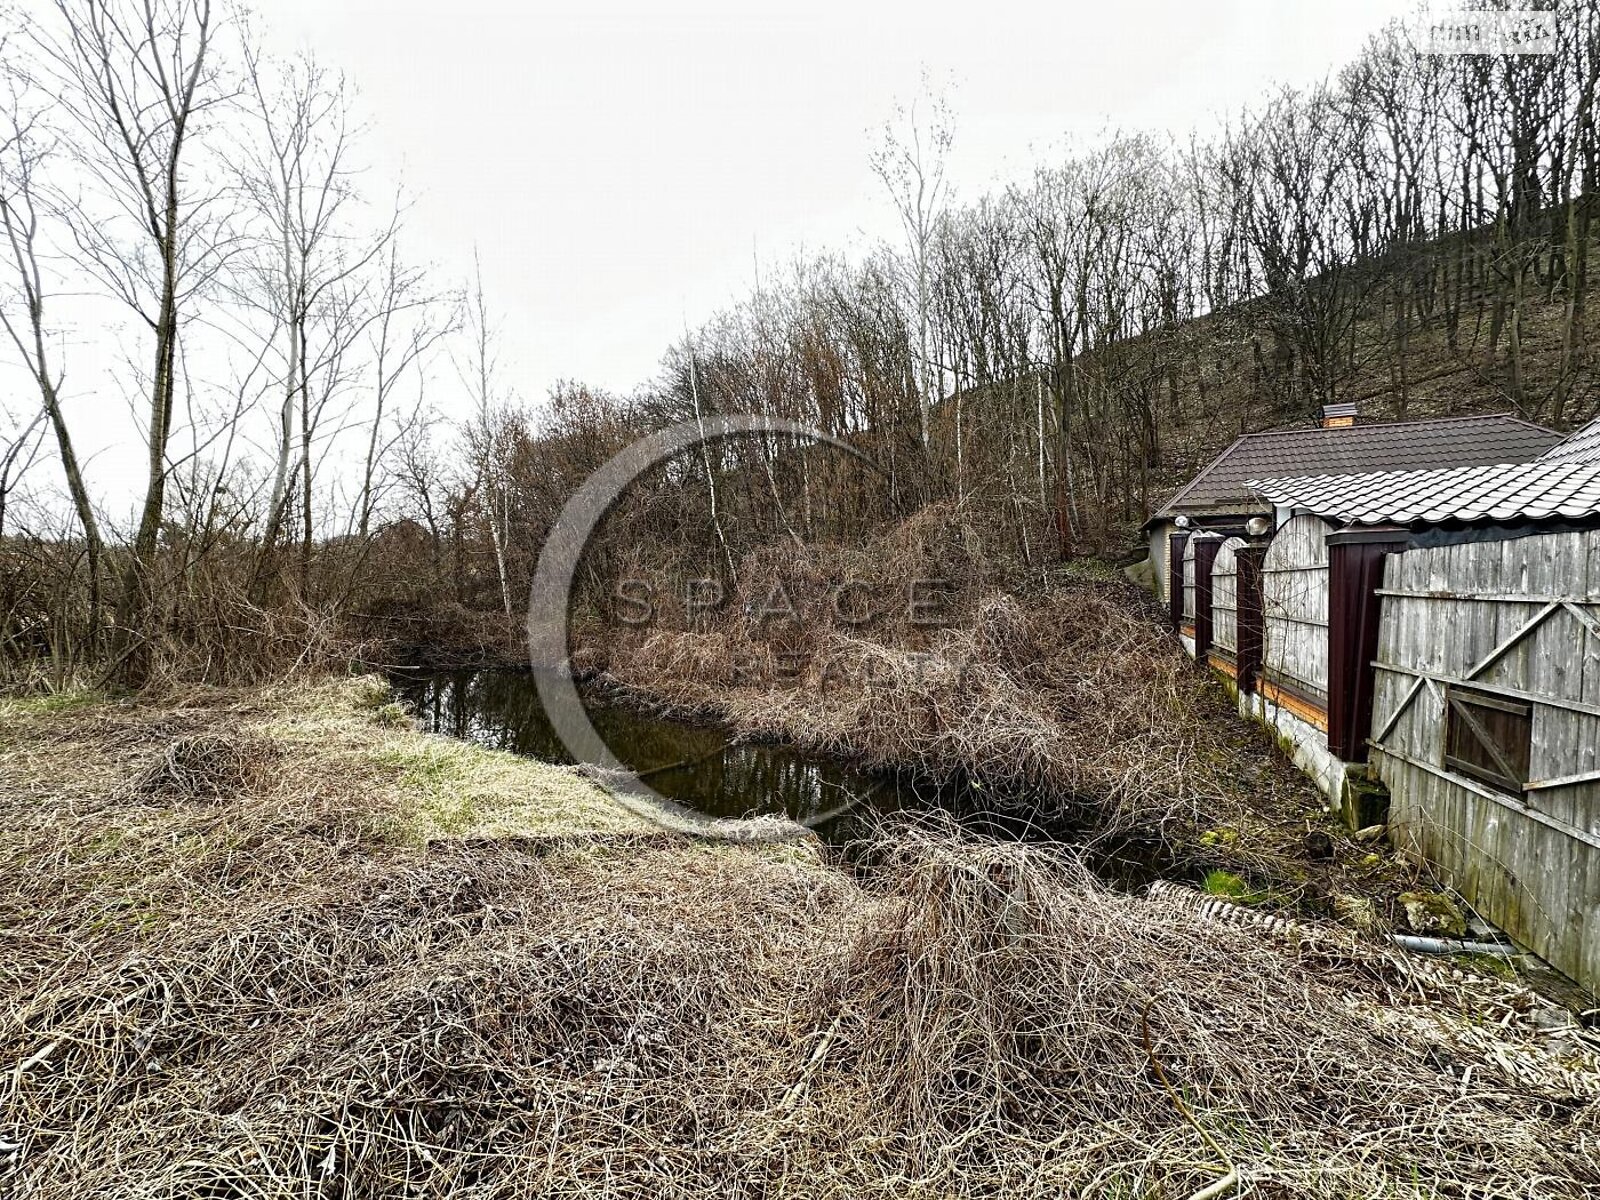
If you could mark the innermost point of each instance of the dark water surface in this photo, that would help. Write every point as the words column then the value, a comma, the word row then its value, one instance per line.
column 696, row 765
column 700, row 767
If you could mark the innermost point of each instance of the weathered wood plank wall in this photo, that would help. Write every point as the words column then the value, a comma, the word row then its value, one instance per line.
column 1519, row 620
column 1225, row 607
column 1294, row 610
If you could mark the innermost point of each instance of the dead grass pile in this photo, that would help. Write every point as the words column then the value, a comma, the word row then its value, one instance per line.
column 206, row 766
column 940, row 711
column 296, row 1007
column 1003, row 633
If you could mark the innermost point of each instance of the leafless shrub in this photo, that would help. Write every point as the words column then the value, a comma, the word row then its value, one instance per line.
column 1003, row 633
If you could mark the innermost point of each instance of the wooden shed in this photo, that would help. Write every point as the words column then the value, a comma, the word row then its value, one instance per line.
column 1219, row 497
column 1486, row 729
column 1470, row 666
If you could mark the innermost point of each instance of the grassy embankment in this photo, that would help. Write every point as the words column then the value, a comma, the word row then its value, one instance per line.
column 276, row 943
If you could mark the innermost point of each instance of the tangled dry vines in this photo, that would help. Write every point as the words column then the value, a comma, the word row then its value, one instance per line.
column 1073, row 701
column 269, row 998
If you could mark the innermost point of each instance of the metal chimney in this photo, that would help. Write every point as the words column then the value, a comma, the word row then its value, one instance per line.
column 1338, row 416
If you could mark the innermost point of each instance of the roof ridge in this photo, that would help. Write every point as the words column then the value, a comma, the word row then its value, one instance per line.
column 1346, row 429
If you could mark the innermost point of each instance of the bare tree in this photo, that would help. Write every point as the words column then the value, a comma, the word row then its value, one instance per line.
column 911, row 164
column 422, row 477
column 19, row 448
column 21, row 158
column 307, row 273
column 705, row 456
column 486, row 431
column 138, row 78
column 410, row 324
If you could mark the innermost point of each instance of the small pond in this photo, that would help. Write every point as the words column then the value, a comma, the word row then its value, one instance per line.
column 698, row 765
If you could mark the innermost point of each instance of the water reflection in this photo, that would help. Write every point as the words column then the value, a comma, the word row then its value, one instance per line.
column 698, row 767
column 693, row 764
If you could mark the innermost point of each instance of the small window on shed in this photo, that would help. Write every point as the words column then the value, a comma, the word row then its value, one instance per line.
column 1488, row 737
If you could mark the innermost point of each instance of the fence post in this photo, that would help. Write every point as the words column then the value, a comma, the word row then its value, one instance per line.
column 1247, row 586
column 1175, row 550
column 1355, row 573
column 1205, row 553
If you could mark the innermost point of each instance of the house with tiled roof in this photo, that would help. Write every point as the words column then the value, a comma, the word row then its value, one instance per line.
column 1220, row 498
column 1426, row 642
column 1560, row 487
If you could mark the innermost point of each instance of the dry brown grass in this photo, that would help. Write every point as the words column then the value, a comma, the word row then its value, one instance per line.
column 1009, row 1019
column 1074, row 703
column 205, row 766
column 287, row 994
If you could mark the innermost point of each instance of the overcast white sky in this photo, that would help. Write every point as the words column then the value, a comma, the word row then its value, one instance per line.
column 623, row 165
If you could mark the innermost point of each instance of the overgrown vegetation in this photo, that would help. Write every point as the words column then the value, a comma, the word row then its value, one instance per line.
column 1051, row 360
column 1066, row 699
column 285, row 991
column 271, row 942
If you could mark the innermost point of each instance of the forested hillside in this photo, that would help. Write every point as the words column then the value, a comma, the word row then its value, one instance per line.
column 1049, row 361
column 1057, row 358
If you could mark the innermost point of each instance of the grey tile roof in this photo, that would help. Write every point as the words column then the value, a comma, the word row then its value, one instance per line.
column 1582, row 446
column 1524, row 492
column 1451, row 442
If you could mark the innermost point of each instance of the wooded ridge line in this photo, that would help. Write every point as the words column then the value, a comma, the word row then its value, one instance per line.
column 1052, row 359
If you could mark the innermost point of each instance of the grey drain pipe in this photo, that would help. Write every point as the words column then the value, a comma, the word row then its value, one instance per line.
column 1433, row 945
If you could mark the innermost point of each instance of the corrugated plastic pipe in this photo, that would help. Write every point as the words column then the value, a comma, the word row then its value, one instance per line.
column 1433, row 945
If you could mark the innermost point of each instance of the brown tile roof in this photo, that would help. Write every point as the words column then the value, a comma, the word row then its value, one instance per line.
column 1452, row 442
column 1523, row 492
